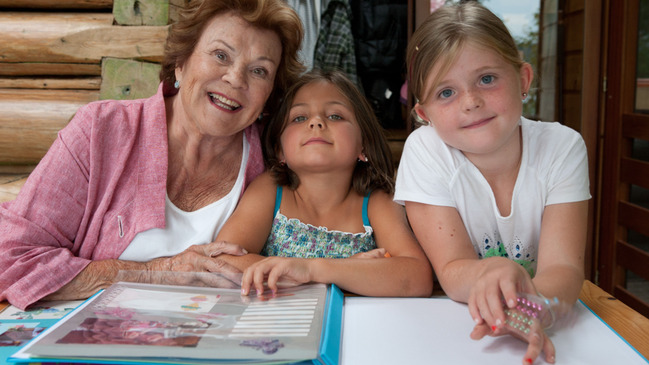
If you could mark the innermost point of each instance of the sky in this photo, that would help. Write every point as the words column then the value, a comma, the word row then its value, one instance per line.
column 516, row 14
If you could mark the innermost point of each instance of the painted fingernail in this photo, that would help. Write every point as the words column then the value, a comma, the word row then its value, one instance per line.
column 243, row 291
column 528, row 360
column 259, row 292
column 493, row 328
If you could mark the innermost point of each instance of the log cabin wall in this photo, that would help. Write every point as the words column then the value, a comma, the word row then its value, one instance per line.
column 57, row 55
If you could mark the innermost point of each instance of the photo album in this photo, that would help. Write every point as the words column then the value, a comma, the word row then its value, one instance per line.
column 133, row 323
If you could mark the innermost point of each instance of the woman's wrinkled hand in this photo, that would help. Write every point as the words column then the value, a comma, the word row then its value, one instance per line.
column 198, row 265
column 276, row 272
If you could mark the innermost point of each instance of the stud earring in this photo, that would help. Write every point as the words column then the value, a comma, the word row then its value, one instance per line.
column 177, row 84
column 524, row 96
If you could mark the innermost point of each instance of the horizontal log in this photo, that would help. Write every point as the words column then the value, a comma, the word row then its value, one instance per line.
column 57, row 4
column 141, row 12
column 128, row 79
column 77, row 83
column 75, row 38
column 10, row 185
column 30, row 120
column 49, row 69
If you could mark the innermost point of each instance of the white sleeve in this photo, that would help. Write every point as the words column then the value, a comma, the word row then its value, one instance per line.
column 568, row 178
column 425, row 170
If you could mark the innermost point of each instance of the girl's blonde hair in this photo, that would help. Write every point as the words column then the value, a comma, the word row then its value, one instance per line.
column 375, row 173
column 439, row 39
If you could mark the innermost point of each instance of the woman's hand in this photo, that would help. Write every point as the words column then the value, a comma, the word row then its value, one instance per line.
column 292, row 271
column 537, row 340
column 202, row 266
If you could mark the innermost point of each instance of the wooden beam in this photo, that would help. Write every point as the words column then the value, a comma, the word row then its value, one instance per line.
column 75, row 38
column 77, row 83
column 128, row 79
column 30, row 120
column 141, row 12
column 49, row 69
column 57, row 4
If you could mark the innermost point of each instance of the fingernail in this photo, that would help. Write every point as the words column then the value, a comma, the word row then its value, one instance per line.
column 511, row 303
column 259, row 292
column 493, row 328
column 528, row 360
column 552, row 359
column 244, row 251
column 476, row 320
column 243, row 291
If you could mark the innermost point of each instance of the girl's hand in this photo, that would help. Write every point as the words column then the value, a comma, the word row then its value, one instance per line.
column 292, row 271
column 499, row 280
column 537, row 340
column 376, row 253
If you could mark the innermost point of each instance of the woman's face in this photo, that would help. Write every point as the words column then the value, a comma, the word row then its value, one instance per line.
column 226, row 81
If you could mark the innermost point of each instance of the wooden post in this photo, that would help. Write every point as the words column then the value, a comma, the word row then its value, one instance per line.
column 141, row 12
column 128, row 79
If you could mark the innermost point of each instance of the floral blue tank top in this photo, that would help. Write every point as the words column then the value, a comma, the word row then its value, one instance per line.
column 289, row 237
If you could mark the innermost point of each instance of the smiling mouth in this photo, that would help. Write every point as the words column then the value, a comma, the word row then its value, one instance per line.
column 478, row 123
column 316, row 141
column 223, row 102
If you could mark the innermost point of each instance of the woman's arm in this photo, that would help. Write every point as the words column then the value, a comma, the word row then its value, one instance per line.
column 406, row 273
column 197, row 262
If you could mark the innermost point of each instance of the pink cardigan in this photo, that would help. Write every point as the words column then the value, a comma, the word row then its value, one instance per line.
column 102, row 182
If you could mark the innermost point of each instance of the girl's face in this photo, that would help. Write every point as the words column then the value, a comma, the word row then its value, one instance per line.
column 477, row 105
column 321, row 131
column 226, row 81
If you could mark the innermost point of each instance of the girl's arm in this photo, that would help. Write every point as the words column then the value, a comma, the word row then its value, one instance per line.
column 406, row 272
column 562, row 247
column 251, row 222
column 463, row 276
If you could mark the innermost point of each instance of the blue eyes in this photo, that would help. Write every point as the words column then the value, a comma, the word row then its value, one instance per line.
column 446, row 93
column 484, row 80
column 487, row 79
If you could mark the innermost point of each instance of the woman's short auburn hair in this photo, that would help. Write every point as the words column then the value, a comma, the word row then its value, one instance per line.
column 273, row 15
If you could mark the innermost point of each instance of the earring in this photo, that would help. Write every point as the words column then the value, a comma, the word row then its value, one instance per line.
column 524, row 96
column 363, row 160
column 177, row 84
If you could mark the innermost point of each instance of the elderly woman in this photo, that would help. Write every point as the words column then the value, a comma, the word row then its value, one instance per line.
column 145, row 185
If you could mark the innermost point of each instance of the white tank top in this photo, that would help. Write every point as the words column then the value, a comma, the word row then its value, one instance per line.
column 184, row 229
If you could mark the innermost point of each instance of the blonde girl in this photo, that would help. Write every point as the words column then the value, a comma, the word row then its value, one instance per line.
column 498, row 202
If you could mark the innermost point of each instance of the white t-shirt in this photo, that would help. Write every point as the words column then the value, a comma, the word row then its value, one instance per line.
column 183, row 229
column 554, row 169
